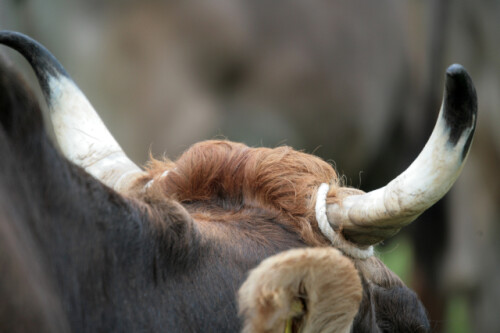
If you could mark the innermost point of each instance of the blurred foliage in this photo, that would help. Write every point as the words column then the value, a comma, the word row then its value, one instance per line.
column 458, row 315
column 398, row 256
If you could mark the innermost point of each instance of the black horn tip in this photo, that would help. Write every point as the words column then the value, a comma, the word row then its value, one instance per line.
column 459, row 104
column 456, row 69
column 43, row 62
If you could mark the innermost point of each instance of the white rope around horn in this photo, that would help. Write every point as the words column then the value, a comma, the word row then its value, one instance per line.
column 337, row 240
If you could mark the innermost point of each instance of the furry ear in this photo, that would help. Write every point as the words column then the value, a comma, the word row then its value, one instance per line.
column 311, row 289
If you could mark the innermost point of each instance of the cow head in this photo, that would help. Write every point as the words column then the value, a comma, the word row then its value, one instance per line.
column 224, row 181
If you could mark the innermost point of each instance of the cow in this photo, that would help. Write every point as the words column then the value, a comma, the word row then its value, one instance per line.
column 223, row 239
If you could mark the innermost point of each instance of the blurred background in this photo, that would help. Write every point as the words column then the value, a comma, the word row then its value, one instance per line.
column 358, row 83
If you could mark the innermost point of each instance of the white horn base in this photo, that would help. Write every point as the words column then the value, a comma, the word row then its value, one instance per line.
column 84, row 139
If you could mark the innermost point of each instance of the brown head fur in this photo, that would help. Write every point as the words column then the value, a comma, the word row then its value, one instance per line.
column 214, row 178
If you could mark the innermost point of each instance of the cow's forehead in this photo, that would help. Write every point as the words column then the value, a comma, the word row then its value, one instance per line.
column 231, row 177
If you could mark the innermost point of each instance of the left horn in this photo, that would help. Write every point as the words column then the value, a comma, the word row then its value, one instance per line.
column 369, row 218
column 81, row 134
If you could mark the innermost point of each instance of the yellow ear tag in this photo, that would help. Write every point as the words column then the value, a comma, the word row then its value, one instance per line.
column 288, row 327
column 297, row 309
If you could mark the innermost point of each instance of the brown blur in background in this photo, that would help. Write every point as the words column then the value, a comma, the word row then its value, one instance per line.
column 358, row 83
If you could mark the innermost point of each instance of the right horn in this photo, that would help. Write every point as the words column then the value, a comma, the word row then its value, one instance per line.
column 369, row 218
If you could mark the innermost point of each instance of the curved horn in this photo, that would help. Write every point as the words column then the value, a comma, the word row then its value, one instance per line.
column 81, row 134
column 369, row 218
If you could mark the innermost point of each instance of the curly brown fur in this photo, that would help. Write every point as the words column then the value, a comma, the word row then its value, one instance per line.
column 231, row 178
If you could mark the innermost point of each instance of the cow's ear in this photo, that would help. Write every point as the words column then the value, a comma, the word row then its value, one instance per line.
column 314, row 289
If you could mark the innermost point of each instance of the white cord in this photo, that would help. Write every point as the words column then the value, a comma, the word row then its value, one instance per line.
column 337, row 241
